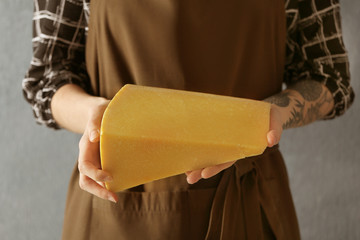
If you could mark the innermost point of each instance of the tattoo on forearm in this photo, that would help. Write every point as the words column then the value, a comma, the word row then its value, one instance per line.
column 282, row 99
column 297, row 115
column 306, row 111
column 309, row 91
column 313, row 112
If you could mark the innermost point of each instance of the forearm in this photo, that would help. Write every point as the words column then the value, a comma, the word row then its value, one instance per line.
column 302, row 103
column 72, row 107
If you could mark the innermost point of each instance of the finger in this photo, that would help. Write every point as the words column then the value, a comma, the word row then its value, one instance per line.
column 93, row 130
column 88, row 169
column 273, row 138
column 213, row 170
column 94, row 135
column 275, row 131
column 93, row 127
column 89, row 161
column 92, row 187
column 102, row 184
column 194, row 176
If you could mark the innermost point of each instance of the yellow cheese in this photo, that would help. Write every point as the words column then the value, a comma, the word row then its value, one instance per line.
column 150, row 133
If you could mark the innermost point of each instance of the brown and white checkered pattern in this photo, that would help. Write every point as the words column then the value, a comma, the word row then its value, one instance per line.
column 59, row 32
column 314, row 50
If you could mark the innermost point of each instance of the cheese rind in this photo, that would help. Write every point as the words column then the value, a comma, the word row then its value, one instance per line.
column 150, row 133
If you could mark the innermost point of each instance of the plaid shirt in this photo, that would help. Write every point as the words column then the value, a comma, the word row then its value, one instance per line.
column 314, row 50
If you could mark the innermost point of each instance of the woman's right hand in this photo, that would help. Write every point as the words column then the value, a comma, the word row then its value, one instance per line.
column 92, row 178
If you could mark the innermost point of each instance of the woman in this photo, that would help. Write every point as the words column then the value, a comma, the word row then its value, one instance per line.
column 234, row 47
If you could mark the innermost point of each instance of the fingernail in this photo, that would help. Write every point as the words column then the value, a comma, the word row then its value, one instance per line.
column 94, row 134
column 111, row 198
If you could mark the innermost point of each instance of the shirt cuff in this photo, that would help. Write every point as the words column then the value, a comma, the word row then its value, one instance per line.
column 39, row 94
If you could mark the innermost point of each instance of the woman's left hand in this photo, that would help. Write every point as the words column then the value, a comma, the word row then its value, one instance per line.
column 273, row 138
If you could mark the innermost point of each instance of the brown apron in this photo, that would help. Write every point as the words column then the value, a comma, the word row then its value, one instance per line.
column 227, row 47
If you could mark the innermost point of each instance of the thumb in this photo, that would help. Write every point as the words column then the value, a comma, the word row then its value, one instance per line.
column 94, row 123
column 273, row 137
column 94, row 135
column 93, row 128
column 275, row 129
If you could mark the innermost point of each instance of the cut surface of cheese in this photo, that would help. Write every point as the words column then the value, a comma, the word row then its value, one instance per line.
column 149, row 133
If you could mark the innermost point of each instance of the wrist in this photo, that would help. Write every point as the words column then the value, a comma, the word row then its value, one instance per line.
column 97, row 105
column 73, row 108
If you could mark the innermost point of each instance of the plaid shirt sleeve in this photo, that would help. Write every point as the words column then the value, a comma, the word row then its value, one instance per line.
column 59, row 28
column 316, row 51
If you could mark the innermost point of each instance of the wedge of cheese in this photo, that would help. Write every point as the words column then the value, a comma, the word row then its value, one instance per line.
column 150, row 133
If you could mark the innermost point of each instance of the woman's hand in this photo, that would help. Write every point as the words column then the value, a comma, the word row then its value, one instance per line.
column 79, row 112
column 302, row 103
column 92, row 178
column 273, row 138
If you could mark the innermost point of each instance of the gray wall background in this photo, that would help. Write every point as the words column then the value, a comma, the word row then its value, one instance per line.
column 323, row 159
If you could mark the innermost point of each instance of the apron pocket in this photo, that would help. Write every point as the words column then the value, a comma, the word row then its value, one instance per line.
column 153, row 215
